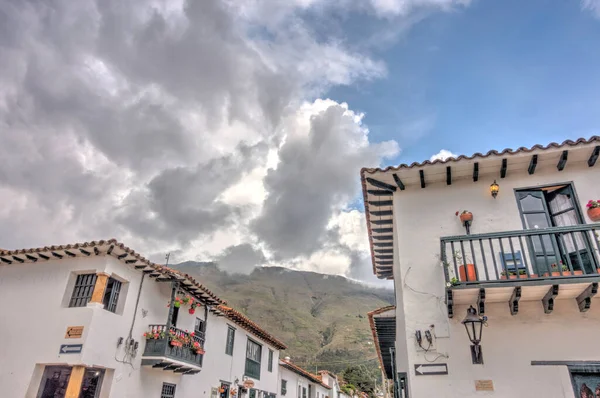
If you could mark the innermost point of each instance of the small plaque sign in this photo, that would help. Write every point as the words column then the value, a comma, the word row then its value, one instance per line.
column 484, row 385
column 74, row 332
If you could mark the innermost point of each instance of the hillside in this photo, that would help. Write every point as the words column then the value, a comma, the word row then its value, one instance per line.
column 322, row 318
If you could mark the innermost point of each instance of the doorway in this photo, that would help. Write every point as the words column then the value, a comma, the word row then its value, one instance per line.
column 555, row 206
column 56, row 379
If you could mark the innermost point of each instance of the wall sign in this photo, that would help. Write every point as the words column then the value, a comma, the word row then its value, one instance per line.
column 70, row 348
column 484, row 385
column 74, row 332
column 430, row 369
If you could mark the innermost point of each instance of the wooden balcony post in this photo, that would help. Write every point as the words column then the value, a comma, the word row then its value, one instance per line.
column 75, row 380
column 100, row 287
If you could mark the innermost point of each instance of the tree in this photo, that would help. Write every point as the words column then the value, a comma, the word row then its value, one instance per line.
column 361, row 377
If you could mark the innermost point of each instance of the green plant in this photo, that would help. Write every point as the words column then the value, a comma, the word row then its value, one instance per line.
column 459, row 213
column 154, row 335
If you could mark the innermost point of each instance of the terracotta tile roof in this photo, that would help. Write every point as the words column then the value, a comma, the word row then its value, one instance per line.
column 510, row 152
column 113, row 248
column 250, row 326
column 371, row 316
column 478, row 155
column 298, row 370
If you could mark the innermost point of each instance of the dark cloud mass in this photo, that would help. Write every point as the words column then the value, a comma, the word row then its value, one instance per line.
column 137, row 119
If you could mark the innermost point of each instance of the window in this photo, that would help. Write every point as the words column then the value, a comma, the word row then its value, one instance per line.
column 230, row 340
column 283, row 386
column 554, row 206
column 252, row 393
column 200, row 328
column 111, row 294
column 270, row 361
column 303, row 392
column 168, row 391
column 253, row 355
column 585, row 379
column 82, row 292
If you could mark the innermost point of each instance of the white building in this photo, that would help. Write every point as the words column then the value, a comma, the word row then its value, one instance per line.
column 527, row 264
column 78, row 314
column 295, row 382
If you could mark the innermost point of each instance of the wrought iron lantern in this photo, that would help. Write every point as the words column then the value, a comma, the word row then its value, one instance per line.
column 494, row 189
column 474, row 326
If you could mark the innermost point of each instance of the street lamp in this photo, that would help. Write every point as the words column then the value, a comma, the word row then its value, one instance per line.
column 474, row 326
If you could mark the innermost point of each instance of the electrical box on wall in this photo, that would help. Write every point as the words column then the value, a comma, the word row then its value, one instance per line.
column 425, row 339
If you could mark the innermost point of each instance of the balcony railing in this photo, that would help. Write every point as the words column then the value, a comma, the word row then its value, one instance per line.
column 173, row 344
column 551, row 253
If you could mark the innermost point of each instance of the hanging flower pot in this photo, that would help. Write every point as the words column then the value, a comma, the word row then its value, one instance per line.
column 192, row 311
column 593, row 210
column 465, row 216
column 200, row 351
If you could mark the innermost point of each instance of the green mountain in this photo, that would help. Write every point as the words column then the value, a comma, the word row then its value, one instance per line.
column 321, row 318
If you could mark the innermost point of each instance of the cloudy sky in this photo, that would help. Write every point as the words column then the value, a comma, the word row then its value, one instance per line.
column 234, row 130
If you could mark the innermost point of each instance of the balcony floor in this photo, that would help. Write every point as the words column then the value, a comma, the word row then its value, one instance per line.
column 501, row 294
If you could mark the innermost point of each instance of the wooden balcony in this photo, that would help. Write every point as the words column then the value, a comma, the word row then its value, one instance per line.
column 172, row 349
column 535, row 264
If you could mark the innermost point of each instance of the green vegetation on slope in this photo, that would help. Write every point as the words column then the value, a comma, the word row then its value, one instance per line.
column 322, row 318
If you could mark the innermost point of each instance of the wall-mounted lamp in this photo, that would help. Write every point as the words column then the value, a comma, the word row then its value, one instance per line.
column 494, row 188
column 474, row 325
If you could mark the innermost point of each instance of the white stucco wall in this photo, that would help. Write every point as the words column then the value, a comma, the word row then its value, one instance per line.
column 218, row 366
column 295, row 381
column 510, row 343
column 33, row 304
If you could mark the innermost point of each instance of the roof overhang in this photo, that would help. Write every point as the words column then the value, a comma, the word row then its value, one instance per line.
column 118, row 250
column 383, row 327
column 380, row 185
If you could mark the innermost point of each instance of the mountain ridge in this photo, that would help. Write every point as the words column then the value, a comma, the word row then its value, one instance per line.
column 322, row 318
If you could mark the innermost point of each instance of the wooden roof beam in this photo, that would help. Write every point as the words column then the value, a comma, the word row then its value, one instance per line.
column 380, row 184
column 422, row 177
column 563, row 160
column 398, row 182
column 475, row 171
column 379, row 192
column 503, row 168
column 594, row 156
column 532, row 164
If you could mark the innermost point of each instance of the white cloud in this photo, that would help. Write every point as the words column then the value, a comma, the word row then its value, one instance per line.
column 443, row 155
column 591, row 5
column 177, row 126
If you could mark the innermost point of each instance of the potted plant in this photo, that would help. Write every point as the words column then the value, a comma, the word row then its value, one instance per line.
column 593, row 210
column 154, row 335
column 198, row 348
column 513, row 275
column 176, row 303
column 193, row 305
column 466, row 271
column 564, row 268
column 465, row 216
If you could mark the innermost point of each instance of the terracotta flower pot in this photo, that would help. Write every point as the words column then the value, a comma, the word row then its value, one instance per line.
column 565, row 273
column 520, row 276
column 464, row 217
column 467, row 274
column 192, row 311
column 200, row 351
column 177, row 304
column 594, row 214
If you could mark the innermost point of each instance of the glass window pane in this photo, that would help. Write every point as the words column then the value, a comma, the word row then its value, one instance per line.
column 536, row 221
column 532, row 203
